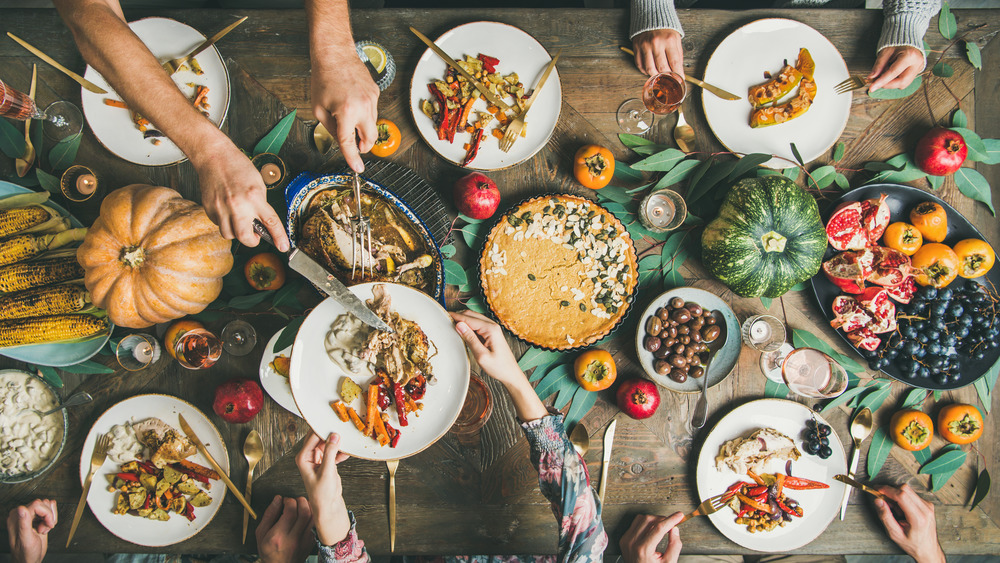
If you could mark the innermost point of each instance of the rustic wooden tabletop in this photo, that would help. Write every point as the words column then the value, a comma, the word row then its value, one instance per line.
column 482, row 497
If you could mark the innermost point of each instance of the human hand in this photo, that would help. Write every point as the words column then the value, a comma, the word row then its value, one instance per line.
column 28, row 528
column 233, row 194
column 490, row 349
column 285, row 530
column 659, row 50
column 345, row 101
column 896, row 67
column 917, row 533
column 639, row 543
column 317, row 462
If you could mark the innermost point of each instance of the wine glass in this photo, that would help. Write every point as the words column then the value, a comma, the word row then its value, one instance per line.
column 811, row 373
column 661, row 94
column 477, row 408
column 137, row 351
column 238, row 338
column 61, row 119
column 766, row 334
column 198, row 349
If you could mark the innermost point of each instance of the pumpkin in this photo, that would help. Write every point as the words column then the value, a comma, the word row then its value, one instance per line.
column 767, row 238
column 153, row 256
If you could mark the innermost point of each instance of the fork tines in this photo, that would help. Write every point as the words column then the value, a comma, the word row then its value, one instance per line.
column 852, row 82
column 361, row 236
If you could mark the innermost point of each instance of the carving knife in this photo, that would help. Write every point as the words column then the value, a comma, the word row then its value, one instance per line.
column 186, row 429
column 317, row 274
column 609, row 442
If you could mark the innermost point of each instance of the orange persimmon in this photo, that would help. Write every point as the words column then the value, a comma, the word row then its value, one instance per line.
column 174, row 333
column 960, row 423
column 975, row 257
column 593, row 166
column 903, row 237
column 935, row 265
column 911, row 429
column 265, row 271
column 389, row 138
column 931, row 220
column 595, row 370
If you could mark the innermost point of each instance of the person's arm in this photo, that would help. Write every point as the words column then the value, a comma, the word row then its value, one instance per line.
column 562, row 474
column 900, row 47
column 656, row 36
column 916, row 533
column 639, row 542
column 28, row 529
column 232, row 190
column 344, row 96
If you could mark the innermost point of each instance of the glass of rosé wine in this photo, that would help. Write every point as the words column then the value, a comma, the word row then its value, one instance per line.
column 61, row 119
column 662, row 94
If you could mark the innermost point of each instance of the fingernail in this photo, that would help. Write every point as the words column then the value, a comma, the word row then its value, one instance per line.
column 277, row 499
column 461, row 327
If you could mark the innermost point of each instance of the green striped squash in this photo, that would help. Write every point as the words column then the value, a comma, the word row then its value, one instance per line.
column 767, row 238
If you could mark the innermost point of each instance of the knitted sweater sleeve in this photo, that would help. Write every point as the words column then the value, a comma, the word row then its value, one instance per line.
column 906, row 22
column 654, row 14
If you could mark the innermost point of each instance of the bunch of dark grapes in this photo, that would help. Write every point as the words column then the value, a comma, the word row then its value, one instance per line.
column 818, row 439
column 937, row 329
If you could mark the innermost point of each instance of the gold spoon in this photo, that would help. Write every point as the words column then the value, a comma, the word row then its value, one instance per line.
column 861, row 427
column 322, row 138
column 23, row 164
column 683, row 133
column 580, row 439
column 253, row 450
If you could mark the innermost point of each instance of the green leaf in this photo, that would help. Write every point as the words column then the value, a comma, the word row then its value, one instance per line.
column 540, row 371
column 746, row 164
column 792, row 173
column 894, row 94
column 583, row 401
column 87, row 367
column 64, row 152
column 673, row 279
column 48, row 181
column 982, row 489
column 938, row 480
column 977, row 148
column 632, row 141
column 959, row 119
column 907, row 173
column 761, row 172
column 775, row 390
column 614, row 193
column 838, row 151
column 799, row 286
column 935, row 181
column 712, row 176
column 971, row 183
column 566, row 391
column 992, row 155
column 553, row 381
column 984, row 386
column 946, row 22
column 651, row 262
column 286, row 296
column 448, row 250
column 648, row 149
column 693, row 219
column 943, row 70
column 471, row 235
column 625, row 174
column 937, row 395
column 884, row 166
column 661, row 161
column 249, row 301
column 669, row 249
column 11, row 140
column 535, row 357
column 469, row 220
column 476, row 304
column 677, row 174
column 842, row 182
column 945, row 462
column 843, row 398
column 49, row 374
column 454, row 273
column 922, row 456
column 914, row 399
column 638, row 232
column 795, row 153
column 638, row 189
column 876, row 398
column 974, row 54
column 766, row 302
column 822, row 177
column 878, row 452
column 275, row 139
column 288, row 334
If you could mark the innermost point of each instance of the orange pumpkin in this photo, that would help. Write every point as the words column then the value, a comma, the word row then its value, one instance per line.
column 153, row 256
column 960, row 423
column 911, row 429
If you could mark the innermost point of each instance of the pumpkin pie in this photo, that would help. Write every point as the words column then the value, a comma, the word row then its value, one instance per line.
column 559, row 271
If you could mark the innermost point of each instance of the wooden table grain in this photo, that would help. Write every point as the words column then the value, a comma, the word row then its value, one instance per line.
column 482, row 497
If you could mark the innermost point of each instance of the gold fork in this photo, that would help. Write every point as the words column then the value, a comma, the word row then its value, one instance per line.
column 857, row 81
column 392, row 464
column 514, row 128
column 709, row 506
column 101, row 446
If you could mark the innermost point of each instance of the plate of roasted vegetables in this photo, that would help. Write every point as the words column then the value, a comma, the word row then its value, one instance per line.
column 203, row 81
column 458, row 122
column 46, row 316
column 785, row 73
column 388, row 395
column 155, row 488
column 779, row 496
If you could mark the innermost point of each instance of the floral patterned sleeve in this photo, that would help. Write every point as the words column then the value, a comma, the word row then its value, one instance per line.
column 564, row 480
column 349, row 550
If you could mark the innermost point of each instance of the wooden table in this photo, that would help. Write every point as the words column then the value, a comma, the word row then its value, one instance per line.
column 483, row 497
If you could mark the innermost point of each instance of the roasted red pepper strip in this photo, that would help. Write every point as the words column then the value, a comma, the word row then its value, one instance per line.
column 800, row 484
column 393, row 435
column 189, row 511
column 445, row 124
column 756, row 478
column 148, row 467
column 753, row 503
column 734, row 488
column 797, row 511
column 489, row 63
column 128, row 477
column 397, row 391
column 744, row 510
column 756, row 491
column 477, row 139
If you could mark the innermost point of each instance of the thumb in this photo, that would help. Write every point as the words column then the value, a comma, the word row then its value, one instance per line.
column 24, row 521
column 888, row 520
column 673, row 545
column 471, row 339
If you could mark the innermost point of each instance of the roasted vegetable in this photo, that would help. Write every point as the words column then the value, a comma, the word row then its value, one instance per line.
column 774, row 115
column 782, row 84
column 25, row 246
column 49, row 300
column 56, row 328
column 26, row 275
column 22, row 219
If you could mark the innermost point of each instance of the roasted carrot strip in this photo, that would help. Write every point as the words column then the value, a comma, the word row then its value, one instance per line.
column 353, row 414
column 200, row 95
column 115, row 103
column 372, row 405
column 193, row 467
column 381, row 434
column 341, row 409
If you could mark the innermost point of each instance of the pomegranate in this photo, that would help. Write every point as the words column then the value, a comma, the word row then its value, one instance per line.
column 849, row 314
column 638, row 398
column 887, row 324
column 849, row 269
column 876, row 301
column 890, row 267
column 875, row 217
column 844, row 229
column 941, row 152
column 903, row 293
column 238, row 400
column 865, row 339
column 476, row 196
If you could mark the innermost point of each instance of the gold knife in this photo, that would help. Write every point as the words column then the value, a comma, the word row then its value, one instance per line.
column 186, row 428
column 80, row 80
column 541, row 82
column 392, row 464
column 860, row 486
column 451, row 62
column 609, row 442
column 713, row 89
column 172, row 65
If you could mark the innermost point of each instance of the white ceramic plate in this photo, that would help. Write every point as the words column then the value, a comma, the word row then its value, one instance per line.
column 518, row 52
column 723, row 362
column 166, row 39
column 820, row 506
column 58, row 354
column 315, row 378
column 740, row 61
column 274, row 384
column 143, row 531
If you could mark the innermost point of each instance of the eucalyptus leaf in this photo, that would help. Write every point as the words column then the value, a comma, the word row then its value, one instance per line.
column 50, row 375
column 275, row 139
column 894, row 94
column 945, row 462
column 625, row 174
column 883, row 166
column 648, row 150
column 672, row 279
column 287, row 337
column 638, row 188
column 540, row 371
column 975, row 55
column 935, row 181
column 944, row 70
column 651, row 262
column 448, row 250
column 249, row 301
column 469, row 220
column 876, row 398
column 62, row 155
column 475, row 304
column 975, row 144
column 471, row 235
column 843, row 398
column 946, row 22
column 661, row 161
column 938, row 480
column 878, row 452
column 792, row 173
column 614, row 193
column 922, row 456
column 566, row 392
column 11, row 140
column 583, row 401
column 87, row 367
column 959, row 119
column 971, row 183
column 982, row 489
column 838, row 151
column 553, row 381
column 914, row 399
column 985, row 384
column 775, row 390
column 48, row 181
column 937, row 395
column 712, row 176
column 454, row 273
column 992, row 155
column 677, row 174
column 670, row 247
column 842, row 182
column 632, row 141
column 638, row 232
column 535, row 357
column 822, row 177
column 766, row 302
column 795, row 153
column 747, row 163
column 761, row 172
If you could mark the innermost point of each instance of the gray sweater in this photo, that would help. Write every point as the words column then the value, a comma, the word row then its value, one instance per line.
column 905, row 23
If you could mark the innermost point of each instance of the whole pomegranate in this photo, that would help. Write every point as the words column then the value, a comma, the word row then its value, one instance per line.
column 476, row 196
column 941, row 152
column 638, row 398
column 238, row 400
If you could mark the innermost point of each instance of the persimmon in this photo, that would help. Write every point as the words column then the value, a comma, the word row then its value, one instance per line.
column 595, row 370
column 931, row 220
column 935, row 265
column 911, row 429
column 903, row 237
column 975, row 257
column 389, row 138
column 174, row 333
column 593, row 166
column 265, row 271
column 960, row 423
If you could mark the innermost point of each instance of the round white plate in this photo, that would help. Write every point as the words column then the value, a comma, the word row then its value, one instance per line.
column 518, row 52
column 740, row 61
column 723, row 362
column 820, row 506
column 143, row 531
column 274, row 384
column 315, row 378
column 166, row 39
column 58, row 354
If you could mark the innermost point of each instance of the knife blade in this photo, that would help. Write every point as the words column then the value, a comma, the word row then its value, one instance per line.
column 451, row 62
column 79, row 79
column 609, row 442
column 318, row 275
column 186, row 429
column 860, row 486
column 713, row 89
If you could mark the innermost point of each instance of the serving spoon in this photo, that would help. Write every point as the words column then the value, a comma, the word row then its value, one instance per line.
column 683, row 133
column 76, row 399
column 700, row 414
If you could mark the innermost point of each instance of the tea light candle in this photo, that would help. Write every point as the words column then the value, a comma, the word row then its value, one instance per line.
column 143, row 352
column 271, row 173
column 86, row 184
column 659, row 211
column 760, row 330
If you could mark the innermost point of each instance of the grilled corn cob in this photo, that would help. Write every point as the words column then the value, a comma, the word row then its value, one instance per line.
column 22, row 247
column 50, row 300
column 26, row 275
column 22, row 218
column 38, row 330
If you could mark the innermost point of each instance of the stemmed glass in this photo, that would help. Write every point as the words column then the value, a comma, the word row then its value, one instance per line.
column 662, row 94
column 766, row 334
column 811, row 373
column 238, row 338
column 61, row 119
column 198, row 349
